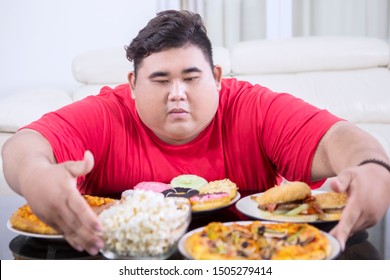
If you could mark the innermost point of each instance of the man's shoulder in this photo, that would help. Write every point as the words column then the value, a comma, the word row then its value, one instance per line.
column 230, row 81
column 120, row 93
column 111, row 98
column 117, row 90
column 232, row 88
column 234, row 85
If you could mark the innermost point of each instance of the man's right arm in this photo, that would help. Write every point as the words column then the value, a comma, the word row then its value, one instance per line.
column 24, row 152
column 50, row 189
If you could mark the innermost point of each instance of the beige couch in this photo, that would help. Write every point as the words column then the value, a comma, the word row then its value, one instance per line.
column 349, row 76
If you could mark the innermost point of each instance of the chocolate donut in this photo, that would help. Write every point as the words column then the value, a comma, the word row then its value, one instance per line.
column 180, row 192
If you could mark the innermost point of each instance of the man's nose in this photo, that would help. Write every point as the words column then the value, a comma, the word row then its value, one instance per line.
column 177, row 91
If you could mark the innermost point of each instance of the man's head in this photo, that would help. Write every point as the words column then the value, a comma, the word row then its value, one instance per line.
column 169, row 29
column 175, row 84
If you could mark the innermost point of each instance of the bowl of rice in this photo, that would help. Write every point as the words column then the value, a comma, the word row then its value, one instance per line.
column 144, row 225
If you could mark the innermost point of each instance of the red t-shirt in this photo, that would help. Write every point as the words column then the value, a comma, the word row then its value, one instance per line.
column 255, row 135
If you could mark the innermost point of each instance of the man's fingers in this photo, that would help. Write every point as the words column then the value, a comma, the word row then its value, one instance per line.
column 81, row 167
column 79, row 223
column 341, row 183
column 344, row 228
column 351, row 213
column 82, row 226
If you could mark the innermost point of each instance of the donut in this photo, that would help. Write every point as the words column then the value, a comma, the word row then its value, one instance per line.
column 202, row 202
column 152, row 186
column 147, row 186
column 217, row 186
column 180, row 192
column 188, row 181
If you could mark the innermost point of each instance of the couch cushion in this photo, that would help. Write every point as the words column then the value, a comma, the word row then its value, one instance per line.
column 221, row 56
column 104, row 66
column 380, row 131
column 356, row 95
column 302, row 54
column 24, row 107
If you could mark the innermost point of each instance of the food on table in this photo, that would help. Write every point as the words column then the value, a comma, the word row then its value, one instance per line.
column 258, row 241
column 188, row 181
column 208, row 201
column 96, row 201
column 332, row 205
column 24, row 219
column 217, row 186
column 180, row 192
column 152, row 186
column 144, row 224
column 291, row 202
column 203, row 195
column 295, row 202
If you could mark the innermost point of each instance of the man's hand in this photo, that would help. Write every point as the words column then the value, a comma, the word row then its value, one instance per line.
column 50, row 189
column 368, row 189
column 56, row 200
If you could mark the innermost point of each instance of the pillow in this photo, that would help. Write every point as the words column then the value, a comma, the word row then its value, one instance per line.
column 27, row 106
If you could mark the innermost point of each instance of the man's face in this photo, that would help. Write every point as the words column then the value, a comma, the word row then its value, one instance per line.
column 176, row 93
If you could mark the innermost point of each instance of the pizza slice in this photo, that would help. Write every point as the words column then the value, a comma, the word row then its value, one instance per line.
column 24, row 219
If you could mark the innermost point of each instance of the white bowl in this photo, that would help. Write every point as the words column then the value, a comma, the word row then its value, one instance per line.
column 144, row 228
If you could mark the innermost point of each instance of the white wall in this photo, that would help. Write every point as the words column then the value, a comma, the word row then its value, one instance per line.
column 39, row 38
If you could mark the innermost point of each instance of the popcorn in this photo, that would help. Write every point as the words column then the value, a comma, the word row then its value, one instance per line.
column 144, row 223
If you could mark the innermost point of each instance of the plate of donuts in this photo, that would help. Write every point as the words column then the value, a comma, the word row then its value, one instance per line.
column 204, row 196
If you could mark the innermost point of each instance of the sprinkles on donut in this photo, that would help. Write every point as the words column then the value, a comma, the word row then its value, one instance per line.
column 180, row 192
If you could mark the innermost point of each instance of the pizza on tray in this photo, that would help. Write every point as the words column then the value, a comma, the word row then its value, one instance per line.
column 258, row 241
column 24, row 219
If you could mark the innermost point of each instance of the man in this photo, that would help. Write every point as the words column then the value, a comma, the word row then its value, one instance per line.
column 178, row 116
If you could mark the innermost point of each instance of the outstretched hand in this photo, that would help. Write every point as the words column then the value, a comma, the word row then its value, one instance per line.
column 62, row 206
column 368, row 190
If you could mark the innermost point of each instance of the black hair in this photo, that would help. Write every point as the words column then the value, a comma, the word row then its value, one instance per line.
column 170, row 29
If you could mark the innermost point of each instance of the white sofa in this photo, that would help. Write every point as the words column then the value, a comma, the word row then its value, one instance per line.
column 349, row 76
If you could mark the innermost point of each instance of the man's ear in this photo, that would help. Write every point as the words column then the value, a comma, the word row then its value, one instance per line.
column 217, row 71
column 131, row 79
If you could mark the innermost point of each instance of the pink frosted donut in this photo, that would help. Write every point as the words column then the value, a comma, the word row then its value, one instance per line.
column 208, row 201
column 152, row 186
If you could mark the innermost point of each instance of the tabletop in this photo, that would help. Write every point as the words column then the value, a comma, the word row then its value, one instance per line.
column 14, row 246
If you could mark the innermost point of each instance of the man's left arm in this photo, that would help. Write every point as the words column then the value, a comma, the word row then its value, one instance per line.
column 340, row 152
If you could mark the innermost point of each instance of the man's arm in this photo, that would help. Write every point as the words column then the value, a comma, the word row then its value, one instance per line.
column 31, row 170
column 344, row 145
column 26, row 151
column 340, row 153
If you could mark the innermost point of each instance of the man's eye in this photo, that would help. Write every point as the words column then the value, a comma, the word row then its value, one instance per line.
column 163, row 82
column 190, row 79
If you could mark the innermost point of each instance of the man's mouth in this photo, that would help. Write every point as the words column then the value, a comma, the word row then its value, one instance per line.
column 177, row 111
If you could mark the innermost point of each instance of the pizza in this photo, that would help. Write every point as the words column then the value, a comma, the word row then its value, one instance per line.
column 25, row 220
column 258, row 241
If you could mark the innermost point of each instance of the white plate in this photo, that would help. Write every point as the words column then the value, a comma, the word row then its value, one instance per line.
column 248, row 207
column 36, row 235
column 234, row 200
column 334, row 244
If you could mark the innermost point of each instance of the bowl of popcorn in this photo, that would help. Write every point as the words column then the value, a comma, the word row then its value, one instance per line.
column 144, row 225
